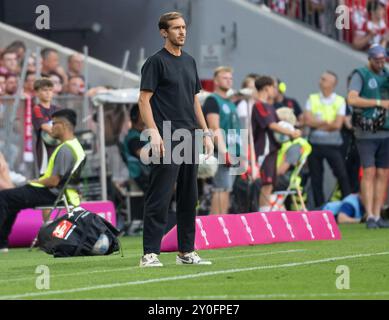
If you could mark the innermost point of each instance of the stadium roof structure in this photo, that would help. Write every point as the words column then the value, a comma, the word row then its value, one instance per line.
column 121, row 96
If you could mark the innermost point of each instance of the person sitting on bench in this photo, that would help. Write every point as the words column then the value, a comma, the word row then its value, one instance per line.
column 44, row 191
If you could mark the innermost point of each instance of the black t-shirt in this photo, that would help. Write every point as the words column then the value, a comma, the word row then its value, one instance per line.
column 210, row 106
column 262, row 116
column 290, row 103
column 174, row 82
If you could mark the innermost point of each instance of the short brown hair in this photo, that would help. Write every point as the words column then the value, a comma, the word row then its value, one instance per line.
column 166, row 17
column 7, row 51
column 43, row 83
column 222, row 69
column 263, row 82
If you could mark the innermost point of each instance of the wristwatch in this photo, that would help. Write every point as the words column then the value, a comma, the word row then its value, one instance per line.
column 378, row 102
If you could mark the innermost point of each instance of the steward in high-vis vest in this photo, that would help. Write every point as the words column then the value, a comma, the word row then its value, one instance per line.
column 369, row 97
column 324, row 115
column 44, row 191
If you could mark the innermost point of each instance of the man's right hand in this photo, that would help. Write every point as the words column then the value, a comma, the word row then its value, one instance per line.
column 385, row 104
column 157, row 147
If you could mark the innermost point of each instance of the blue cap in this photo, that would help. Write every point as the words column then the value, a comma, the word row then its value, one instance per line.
column 376, row 51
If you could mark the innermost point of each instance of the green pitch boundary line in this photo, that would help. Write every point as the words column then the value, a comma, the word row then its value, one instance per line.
column 189, row 276
column 166, row 264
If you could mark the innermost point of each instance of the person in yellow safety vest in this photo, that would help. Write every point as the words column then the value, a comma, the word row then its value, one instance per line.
column 44, row 191
column 325, row 112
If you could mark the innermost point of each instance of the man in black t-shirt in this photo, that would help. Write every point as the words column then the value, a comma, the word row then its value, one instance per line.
column 168, row 90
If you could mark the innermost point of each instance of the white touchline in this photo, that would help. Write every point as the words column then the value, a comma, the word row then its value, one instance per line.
column 262, row 296
column 189, row 276
column 137, row 267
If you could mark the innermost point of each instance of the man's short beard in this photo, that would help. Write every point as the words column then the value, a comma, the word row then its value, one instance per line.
column 224, row 89
column 177, row 44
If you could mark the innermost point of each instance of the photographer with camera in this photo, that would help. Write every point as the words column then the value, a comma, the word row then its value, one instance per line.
column 368, row 92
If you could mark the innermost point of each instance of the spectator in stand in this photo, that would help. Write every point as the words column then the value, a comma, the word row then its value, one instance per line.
column 279, row 6
column 9, row 62
column 41, row 121
column 324, row 16
column 19, row 48
column 11, row 84
column 374, row 31
column 359, row 18
column 264, row 121
column 75, row 65
column 57, row 81
column 2, row 84
column 31, row 65
column 286, row 7
column 317, row 8
column 283, row 101
column 76, row 86
column 50, row 63
column 324, row 115
column 294, row 9
column 28, row 86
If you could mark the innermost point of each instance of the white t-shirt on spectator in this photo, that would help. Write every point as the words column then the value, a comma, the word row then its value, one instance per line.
column 359, row 19
column 379, row 29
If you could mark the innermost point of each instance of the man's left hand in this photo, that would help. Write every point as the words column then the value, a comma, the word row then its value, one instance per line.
column 209, row 147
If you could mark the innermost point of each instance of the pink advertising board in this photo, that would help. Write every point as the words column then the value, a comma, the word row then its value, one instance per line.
column 220, row 231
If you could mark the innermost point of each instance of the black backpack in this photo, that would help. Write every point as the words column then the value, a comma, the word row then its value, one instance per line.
column 77, row 233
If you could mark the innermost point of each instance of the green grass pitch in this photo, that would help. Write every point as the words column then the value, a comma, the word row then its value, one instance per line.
column 299, row 270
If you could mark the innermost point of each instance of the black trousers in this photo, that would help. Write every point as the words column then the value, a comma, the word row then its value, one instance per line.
column 157, row 200
column 16, row 199
column 162, row 182
column 334, row 157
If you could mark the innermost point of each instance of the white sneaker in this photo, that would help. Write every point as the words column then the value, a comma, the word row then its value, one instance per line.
column 150, row 260
column 4, row 250
column 191, row 258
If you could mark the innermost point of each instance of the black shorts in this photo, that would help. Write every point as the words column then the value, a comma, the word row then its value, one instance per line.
column 269, row 169
column 374, row 152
